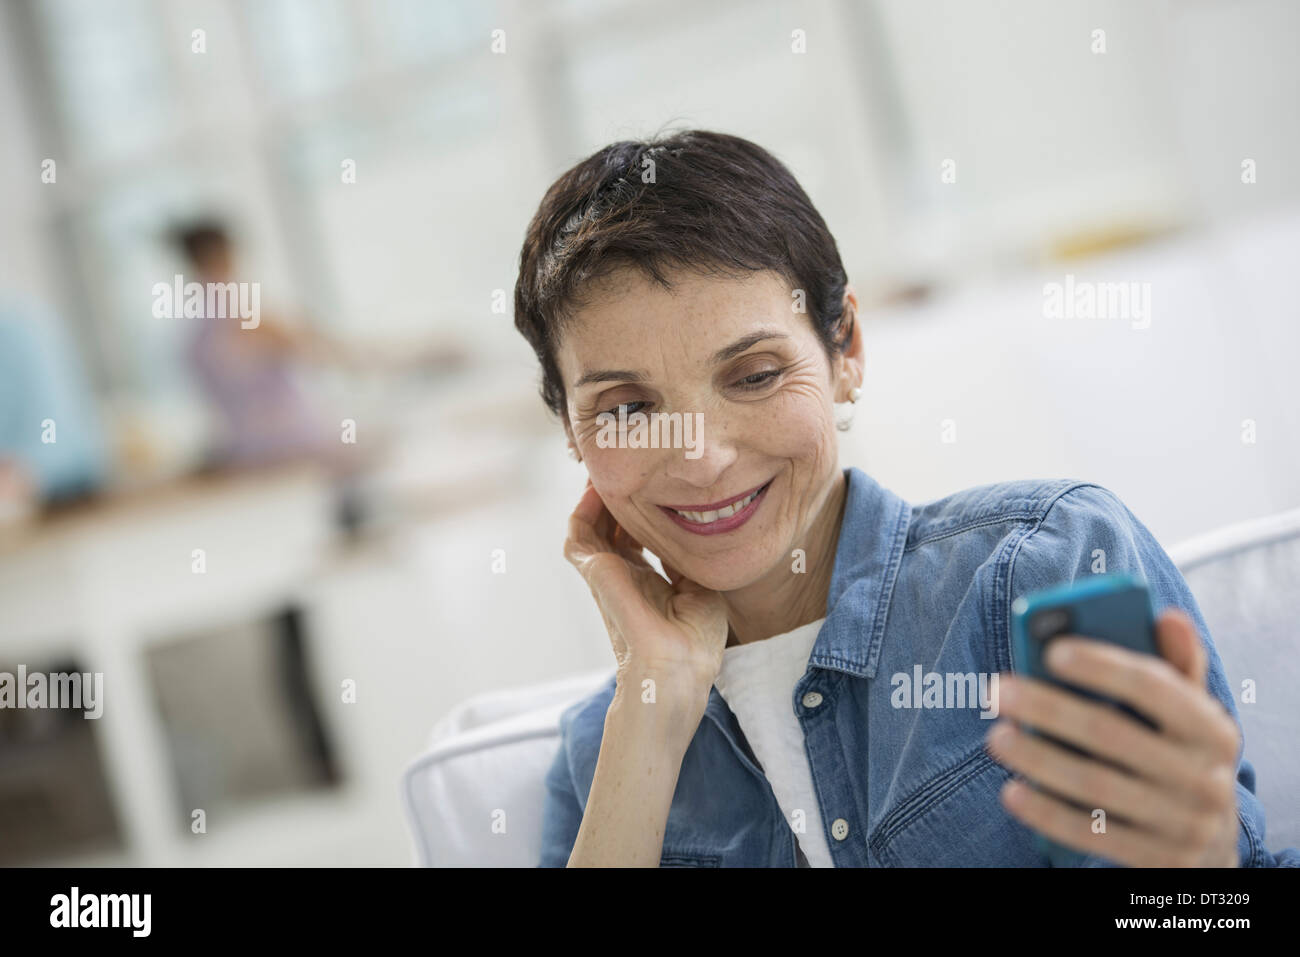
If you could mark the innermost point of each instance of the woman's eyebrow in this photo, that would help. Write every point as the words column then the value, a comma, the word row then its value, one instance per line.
column 740, row 345
column 610, row 375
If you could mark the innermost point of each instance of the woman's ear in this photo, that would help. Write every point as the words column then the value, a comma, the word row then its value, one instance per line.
column 850, row 362
column 569, row 440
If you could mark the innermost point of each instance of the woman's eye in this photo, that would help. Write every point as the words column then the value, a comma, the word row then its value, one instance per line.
column 625, row 408
column 758, row 379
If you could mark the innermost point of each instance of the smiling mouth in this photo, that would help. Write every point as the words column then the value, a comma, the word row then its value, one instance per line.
column 721, row 517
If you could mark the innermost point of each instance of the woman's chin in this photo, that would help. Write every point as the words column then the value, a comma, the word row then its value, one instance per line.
column 722, row 577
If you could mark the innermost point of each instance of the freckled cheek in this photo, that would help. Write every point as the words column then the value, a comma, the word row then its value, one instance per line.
column 617, row 474
column 806, row 445
column 797, row 432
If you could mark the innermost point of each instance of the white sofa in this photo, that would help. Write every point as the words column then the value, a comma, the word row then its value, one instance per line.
column 487, row 757
column 1246, row 579
column 474, row 798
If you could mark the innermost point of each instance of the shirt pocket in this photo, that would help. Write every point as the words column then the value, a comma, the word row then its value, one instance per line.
column 688, row 857
column 956, row 820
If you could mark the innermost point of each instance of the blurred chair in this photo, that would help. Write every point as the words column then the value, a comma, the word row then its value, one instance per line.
column 42, row 380
column 493, row 751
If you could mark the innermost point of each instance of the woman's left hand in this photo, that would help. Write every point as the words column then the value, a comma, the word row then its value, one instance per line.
column 1171, row 799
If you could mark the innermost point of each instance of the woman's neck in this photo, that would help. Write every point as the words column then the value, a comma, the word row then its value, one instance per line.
column 786, row 598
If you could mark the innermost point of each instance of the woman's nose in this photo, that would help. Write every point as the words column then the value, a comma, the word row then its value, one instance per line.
column 705, row 453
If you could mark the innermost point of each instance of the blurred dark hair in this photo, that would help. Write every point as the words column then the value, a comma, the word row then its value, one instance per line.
column 196, row 237
column 719, row 205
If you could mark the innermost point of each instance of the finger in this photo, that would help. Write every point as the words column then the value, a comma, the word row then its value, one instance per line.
column 1148, row 684
column 588, row 529
column 611, row 582
column 1108, row 734
column 624, row 539
column 589, row 506
column 1095, row 785
column 1179, row 644
column 1073, row 828
column 627, row 546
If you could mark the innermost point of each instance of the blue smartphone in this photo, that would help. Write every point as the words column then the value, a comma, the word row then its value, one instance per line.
column 1112, row 608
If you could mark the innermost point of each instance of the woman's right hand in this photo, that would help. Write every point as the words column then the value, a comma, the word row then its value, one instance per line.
column 669, row 630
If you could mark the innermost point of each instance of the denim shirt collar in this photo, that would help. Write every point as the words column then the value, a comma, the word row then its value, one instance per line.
column 873, row 533
column 867, row 558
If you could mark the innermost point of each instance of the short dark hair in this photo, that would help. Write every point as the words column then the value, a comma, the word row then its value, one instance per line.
column 719, row 204
column 195, row 237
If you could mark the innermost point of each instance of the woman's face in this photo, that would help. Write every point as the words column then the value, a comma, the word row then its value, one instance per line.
column 735, row 352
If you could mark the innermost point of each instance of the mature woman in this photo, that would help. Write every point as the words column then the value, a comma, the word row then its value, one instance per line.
column 753, row 719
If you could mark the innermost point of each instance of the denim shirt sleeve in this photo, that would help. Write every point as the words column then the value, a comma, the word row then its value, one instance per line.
column 1089, row 530
column 561, row 813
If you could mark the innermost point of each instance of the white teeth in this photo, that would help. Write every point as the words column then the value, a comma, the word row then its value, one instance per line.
column 704, row 518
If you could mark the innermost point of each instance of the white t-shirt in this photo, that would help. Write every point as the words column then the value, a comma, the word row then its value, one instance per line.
column 757, row 681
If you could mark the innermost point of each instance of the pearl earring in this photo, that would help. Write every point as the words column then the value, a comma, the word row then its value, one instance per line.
column 573, row 454
column 846, row 423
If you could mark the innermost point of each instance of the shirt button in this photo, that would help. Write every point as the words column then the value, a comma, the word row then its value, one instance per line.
column 812, row 699
column 840, row 829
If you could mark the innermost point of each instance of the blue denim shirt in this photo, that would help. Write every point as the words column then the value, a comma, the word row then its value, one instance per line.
column 928, row 586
